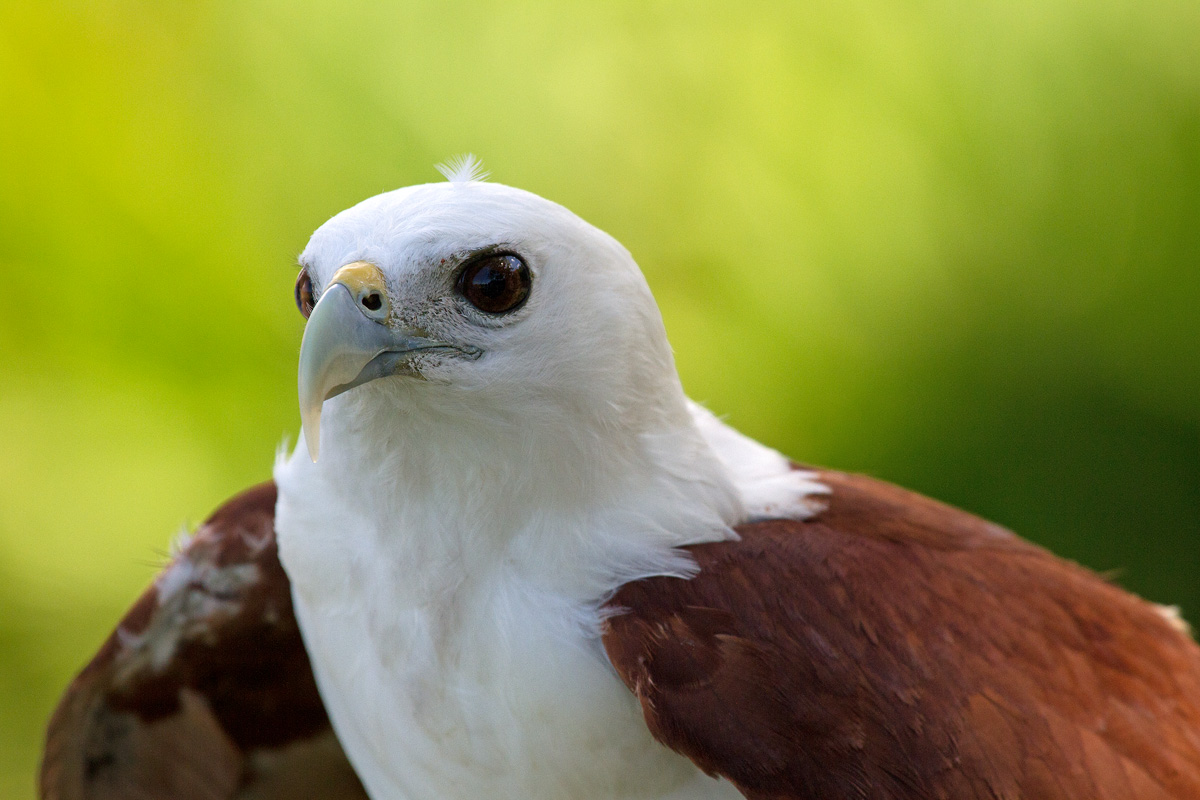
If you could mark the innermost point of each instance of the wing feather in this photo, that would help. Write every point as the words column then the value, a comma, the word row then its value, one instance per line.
column 204, row 691
column 894, row 647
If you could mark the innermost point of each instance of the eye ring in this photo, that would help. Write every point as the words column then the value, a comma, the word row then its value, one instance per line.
column 304, row 293
column 495, row 283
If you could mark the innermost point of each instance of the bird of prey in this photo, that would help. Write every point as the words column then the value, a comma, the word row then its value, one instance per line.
column 510, row 559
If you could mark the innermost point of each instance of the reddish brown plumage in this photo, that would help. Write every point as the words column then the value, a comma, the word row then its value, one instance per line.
column 890, row 647
column 204, row 691
column 894, row 647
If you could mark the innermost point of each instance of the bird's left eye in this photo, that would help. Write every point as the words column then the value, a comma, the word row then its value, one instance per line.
column 304, row 293
column 495, row 283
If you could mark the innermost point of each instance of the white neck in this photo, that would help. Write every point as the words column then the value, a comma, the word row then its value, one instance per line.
column 577, row 506
column 448, row 582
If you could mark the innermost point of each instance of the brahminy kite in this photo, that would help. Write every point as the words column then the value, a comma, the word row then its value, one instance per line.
column 510, row 560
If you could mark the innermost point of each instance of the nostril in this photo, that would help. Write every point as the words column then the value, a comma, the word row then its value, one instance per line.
column 372, row 302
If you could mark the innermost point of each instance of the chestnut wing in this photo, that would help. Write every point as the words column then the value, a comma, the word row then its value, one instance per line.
column 204, row 691
column 894, row 647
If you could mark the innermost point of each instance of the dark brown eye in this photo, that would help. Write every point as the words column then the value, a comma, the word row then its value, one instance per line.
column 304, row 293
column 495, row 284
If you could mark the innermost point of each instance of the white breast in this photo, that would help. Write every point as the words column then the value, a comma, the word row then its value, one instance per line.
column 447, row 683
column 500, row 692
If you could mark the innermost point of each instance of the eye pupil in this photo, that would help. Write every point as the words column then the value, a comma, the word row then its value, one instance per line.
column 490, row 283
column 304, row 293
column 495, row 283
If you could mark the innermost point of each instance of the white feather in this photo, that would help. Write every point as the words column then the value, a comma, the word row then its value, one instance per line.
column 450, row 551
column 463, row 169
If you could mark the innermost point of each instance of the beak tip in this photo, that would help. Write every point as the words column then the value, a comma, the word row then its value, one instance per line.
column 312, row 439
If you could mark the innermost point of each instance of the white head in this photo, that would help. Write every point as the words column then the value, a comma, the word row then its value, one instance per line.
column 481, row 313
column 504, row 442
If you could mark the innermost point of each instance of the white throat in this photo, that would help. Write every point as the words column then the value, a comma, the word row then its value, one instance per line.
column 448, row 587
column 451, row 551
column 577, row 507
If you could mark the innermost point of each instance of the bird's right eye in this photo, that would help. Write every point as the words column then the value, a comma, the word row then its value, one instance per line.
column 304, row 293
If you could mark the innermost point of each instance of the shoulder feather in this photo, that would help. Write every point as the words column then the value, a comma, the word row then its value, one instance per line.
column 204, row 690
column 894, row 647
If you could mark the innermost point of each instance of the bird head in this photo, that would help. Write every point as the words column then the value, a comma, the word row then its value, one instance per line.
column 482, row 298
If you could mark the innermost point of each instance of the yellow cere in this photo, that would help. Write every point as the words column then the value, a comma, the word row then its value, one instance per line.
column 360, row 276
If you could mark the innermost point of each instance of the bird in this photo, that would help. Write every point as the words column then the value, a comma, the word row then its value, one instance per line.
column 509, row 558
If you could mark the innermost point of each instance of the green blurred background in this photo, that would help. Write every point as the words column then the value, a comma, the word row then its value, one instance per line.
column 955, row 245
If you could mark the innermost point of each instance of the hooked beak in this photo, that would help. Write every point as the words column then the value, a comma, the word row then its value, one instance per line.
column 348, row 342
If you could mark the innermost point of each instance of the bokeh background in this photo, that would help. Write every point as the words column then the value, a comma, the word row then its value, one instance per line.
column 955, row 245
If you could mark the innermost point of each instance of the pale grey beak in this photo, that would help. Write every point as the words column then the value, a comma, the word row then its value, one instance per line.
column 348, row 343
